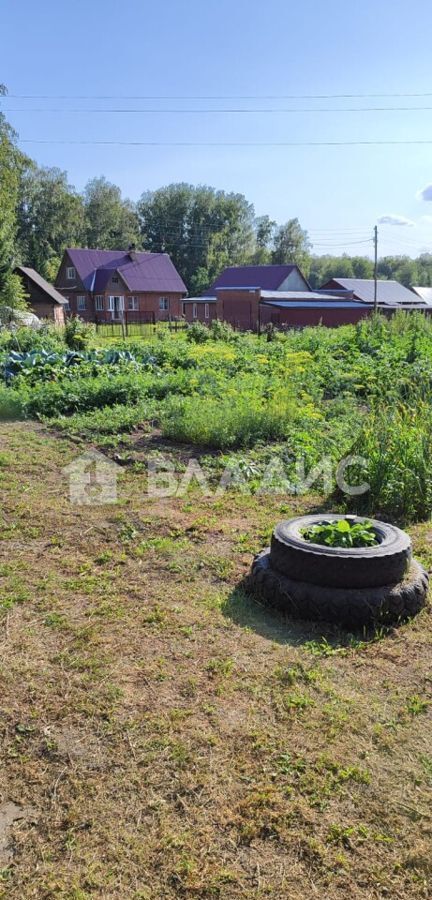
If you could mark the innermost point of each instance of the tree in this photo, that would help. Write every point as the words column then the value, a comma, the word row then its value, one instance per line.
column 12, row 162
column 264, row 228
column 50, row 217
column 111, row 223
column 201, row 228
column 292, row 245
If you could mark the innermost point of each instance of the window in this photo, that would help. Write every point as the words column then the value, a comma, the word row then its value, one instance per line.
column 114, row 279
column 71, row 273
column 81, row 303
column 163, row 303
column 67, row 307
column 99, row 299
column 195, row 311
column 133, row 303
column 206, row 311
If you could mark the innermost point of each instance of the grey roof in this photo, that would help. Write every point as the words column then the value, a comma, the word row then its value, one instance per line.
column 42, row 284
column 425, row 293
column 388, row 292
column 277, row 296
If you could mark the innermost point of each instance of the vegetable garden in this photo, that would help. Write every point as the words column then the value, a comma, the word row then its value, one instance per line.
column 363, row 390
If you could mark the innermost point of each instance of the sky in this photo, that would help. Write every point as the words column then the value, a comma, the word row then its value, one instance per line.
column 188, row 67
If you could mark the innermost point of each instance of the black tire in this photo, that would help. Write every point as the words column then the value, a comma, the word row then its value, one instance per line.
column 349, row 608
column 385, row 563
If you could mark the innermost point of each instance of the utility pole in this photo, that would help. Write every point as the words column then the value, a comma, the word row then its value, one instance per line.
column 376, row 269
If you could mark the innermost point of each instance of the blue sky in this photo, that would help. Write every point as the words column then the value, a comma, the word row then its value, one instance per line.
column 227, row 48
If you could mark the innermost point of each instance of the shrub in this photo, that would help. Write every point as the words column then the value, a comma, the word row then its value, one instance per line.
column 26, row 340
column 11, row 404
column 198, row 333
column 78, row 334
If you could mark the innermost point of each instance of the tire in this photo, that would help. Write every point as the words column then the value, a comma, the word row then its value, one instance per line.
column 349, row 608
column 383, row 564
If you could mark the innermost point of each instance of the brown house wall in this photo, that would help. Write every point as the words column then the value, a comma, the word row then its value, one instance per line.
column 300, row 318
column 148, row 303
column 188, row 312
column 239, row 308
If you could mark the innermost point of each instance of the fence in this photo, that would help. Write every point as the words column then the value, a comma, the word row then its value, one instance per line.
column 136, row 324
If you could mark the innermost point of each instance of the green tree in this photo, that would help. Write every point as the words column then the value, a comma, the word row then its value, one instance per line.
column 202, row 229
column 264, row 228
column 50, row 217
column 111, row 223
column 291, row 245
column 12, row 162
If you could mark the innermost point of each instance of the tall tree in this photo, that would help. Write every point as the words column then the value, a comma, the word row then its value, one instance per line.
column 292, row 245
column 264, row 228
column 50, row 217
column 201, row 228
column 111, row 222
column 12, row 162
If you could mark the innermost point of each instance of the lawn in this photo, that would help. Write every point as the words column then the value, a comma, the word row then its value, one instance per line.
column 163, row 735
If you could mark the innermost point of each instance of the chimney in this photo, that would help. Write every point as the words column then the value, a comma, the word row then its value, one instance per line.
column 133, row 256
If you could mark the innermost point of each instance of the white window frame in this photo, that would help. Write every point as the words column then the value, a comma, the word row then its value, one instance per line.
column 120, row 308
column 71, row 273
column 164, row 304
column 81, row 303
column 67, row 306
column 195, row 310
column 133, row 304
column 206, row 311
column 99, row 302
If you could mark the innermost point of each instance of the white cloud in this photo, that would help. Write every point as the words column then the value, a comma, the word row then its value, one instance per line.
column 426, row 220
column 425, row 193
column 396, row 220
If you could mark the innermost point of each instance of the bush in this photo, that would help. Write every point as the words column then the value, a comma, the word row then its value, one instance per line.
column 73, row 395
column 198, row 333
column 78, row 334
column 11, row 404
column 25, row 340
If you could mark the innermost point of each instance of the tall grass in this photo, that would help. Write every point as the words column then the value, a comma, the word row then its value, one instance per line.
column 397, row 445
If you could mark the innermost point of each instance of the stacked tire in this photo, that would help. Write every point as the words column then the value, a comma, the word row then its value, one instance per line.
column 360, row 587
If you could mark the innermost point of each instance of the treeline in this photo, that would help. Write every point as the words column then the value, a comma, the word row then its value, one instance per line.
column 202, row 229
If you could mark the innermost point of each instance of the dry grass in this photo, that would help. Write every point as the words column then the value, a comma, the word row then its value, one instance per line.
column 163, row 737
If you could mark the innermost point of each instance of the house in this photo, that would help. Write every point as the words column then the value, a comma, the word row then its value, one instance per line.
column 248, row 303
column 425, row 294
column 43, row 299
column 113, row 285
column 250, row 297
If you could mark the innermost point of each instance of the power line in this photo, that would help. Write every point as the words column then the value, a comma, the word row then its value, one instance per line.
column 388, row 143
column 215, row 96
column 235, row 111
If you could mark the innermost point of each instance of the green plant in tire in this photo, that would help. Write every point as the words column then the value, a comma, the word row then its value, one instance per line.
column 342, row 533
